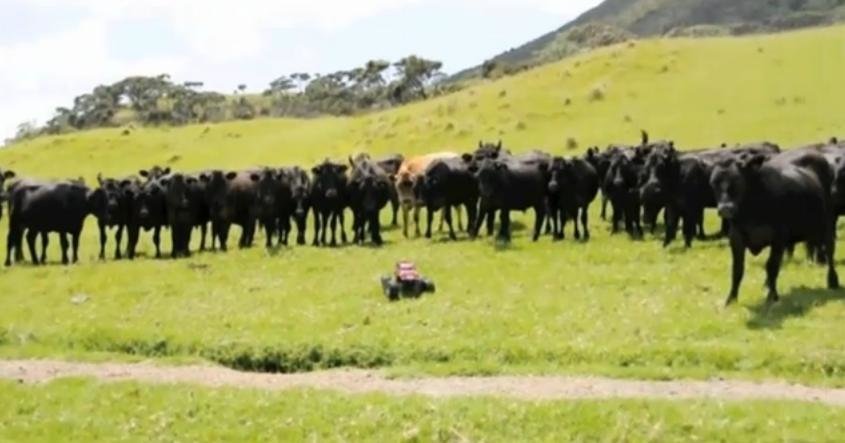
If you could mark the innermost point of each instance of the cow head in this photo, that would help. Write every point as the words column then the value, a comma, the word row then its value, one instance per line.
column 492, row 179
column 216, row 185
column 177, row 192
column 149, row 202
column 154, row 173
column 730, row 180
column 268, row 187
column 117, row 194
column 329, row 180
column 558, row 176
column 4, row 175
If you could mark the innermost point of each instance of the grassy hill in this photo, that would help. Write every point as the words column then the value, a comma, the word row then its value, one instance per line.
column 700, row 92
column 619, row 19
column 611, row 306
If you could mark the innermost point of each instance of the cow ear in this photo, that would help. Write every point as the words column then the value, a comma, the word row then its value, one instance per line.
column 499, row 146
column 752, row 163
column 644, row 135
column 343, row 168
column 8, row 174
column 204, row 177
column 351, row 162
column 316, row 170
column 392, row 178
column 834, row 141
column 254, row 177
column 231, row 175
column 125, row 183
column 472, row 168
column 480, row 144
column 144, row 173
column 166, row 170
column 467, row 158
column 501, row 166
column 543, row 167
column 100, row 178
column 192, row 180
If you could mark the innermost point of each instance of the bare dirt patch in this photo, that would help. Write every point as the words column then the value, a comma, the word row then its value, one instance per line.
column 360, row 381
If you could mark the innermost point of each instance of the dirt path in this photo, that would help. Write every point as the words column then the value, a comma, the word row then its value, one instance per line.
column 358, row 381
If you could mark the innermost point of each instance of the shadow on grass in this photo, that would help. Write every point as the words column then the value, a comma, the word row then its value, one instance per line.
column 798, row 303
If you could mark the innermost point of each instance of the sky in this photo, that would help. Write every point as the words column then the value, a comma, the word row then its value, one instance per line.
column 54, row 50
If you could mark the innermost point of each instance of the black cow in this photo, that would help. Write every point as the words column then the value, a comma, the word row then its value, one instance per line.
column 621, row 185
column 41, row 208
column 299, row 204
column 510, row 184
column 182, row 207
column 154, row 173
column 391, row 165
column 149, row 212
column 231, row 199
column 494, row 151
column 273, row 200
column 447, row 183
column 119, row 202
column 774, row 204
column 369, row 193
column 681, row 185
column 573, row 185
column 330, row 196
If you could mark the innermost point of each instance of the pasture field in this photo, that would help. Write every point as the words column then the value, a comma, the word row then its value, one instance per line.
column 610, row 307
column 82, row 410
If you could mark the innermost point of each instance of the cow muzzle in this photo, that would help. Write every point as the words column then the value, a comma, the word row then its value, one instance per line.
column 727, row 211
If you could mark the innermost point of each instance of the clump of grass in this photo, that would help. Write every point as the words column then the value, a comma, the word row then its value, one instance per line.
column 521, row 126
column 503, row 93
column 567, row 102
column 571, row 143
column 449, row 127
column 597, row 94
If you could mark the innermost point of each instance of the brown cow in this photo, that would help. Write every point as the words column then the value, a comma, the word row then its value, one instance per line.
column 406, row 179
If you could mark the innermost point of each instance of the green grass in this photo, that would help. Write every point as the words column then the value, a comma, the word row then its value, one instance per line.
column 80, row 410
column 611, row 307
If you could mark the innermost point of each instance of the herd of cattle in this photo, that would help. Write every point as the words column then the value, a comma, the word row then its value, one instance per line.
column 765, row 197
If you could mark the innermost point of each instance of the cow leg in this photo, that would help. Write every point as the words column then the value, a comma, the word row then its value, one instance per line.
column 186, row 240
column 45, row 241
column 448, row 215
column 830, row 250
column 773, row 269
column 63, row 242
column 132, row 232
column 604, row 201
column 317, row 226
column 394, row 206
column 31, row 234
column 562, row 220
column 118, row 238
column 405, row 211
column 738, row 267
column 157, row 240
column 75, row 239
column 472, row 216
column 325, row 227
column 575, row 223
column 203, row 232
column 224, row 236
column 103, row 240
column 334, row 230
column 375, row 228
column 417, row 232
column 174, row 241
column 300, row 229
column 429, row 216
column 504, row 229
column 269, row 230
column 671, row 215
column 540, row 218
column 616, row 219
column 491, row 214
column 691, row 223
column 12, row 242
column 341, row 224
column 585, row 214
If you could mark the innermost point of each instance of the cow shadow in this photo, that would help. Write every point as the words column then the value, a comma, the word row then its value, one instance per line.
column 798, row 303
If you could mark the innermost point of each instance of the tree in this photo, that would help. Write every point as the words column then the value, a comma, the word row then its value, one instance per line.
column 415, row 75
column 488, row 68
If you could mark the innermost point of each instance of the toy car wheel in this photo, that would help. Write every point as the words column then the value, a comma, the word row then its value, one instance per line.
column 393, row 292
column 429, row 286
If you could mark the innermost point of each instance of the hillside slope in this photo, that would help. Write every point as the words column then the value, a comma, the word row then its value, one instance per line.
column 701, row 92
column 646, row 18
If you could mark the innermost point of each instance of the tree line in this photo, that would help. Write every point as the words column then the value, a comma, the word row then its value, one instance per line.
column 159, row 100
